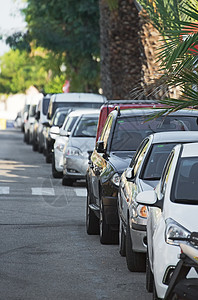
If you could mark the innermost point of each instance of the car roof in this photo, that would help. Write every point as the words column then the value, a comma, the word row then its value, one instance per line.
column 190, row 150
column 84, row 111
column 174, row 136
column 79, row 97
column 145, row 111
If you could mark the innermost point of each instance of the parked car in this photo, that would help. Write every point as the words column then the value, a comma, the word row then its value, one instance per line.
column 30, row 99
column 18, row 120
column 28, row 132
column 143, row 174
column 80, row 144
column 75, row 101
column 173, row 210
column 49, row 138
column 120, row 137
column 40, row 118
column 62, row 137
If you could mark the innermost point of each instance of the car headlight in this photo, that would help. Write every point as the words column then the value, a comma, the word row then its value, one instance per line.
column 174, row 230
column 73, row 151
column 60, row 147
column 116, row 179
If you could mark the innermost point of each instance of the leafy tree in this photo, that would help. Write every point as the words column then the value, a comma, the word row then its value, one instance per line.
column 177, row 21
column 69, row 28
column 20, row 70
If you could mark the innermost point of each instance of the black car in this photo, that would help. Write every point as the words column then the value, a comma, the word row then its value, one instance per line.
column 120, row 137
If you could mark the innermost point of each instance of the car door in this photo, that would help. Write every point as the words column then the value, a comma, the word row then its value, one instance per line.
column 155, row 213
column 99, row 160
column 128, row 187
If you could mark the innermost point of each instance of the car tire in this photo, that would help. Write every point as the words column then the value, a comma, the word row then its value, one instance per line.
column 149, row 275
column 135, row 260
column 34, row 146
column 92, row 222
column 40, row 149
column 122, row 240
column 48, row 158
column 107, row 236
column 55, row 173
column 155, row 297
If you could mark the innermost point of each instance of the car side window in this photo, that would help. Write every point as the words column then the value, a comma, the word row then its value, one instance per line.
column 106, row 131
column 166, row 173
column 139, row 156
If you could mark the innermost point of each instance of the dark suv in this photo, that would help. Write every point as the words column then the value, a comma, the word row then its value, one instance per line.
column 120, row 137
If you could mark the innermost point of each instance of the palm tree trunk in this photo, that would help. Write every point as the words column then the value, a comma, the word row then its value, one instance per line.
column 121, row 49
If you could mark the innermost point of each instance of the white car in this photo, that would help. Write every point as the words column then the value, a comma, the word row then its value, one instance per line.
column 143, row 174
column 79, row 147
column 62, row 136
column 173, row 211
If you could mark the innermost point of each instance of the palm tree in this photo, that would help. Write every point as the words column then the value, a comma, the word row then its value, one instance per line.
column 121, row 64
column 177, row 22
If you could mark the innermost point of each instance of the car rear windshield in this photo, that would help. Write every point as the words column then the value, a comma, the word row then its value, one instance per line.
column 86, row 127
column 185, row 182
column 156, row 160
column 130, row 131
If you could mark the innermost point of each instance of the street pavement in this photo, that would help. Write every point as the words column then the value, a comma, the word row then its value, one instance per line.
column 45, row 252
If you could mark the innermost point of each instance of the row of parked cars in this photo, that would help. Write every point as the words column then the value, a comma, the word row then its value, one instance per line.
column 141, row 174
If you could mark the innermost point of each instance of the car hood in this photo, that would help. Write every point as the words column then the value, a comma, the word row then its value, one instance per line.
column 120, row 160
column 84, row 144
column 184, row 214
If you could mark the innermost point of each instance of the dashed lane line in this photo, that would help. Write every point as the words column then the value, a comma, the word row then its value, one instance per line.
column 43, row 191
column 4, row 190
column 37, row 191
column 80, row 192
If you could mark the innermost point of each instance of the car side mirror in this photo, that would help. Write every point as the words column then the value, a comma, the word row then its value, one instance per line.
column 149, row 198
column 100, row 147
column 46, row 124
column 129, row 174
column 54, row 131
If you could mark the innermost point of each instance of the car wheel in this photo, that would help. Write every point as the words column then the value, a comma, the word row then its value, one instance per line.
column 122, row 240
column 149, row 275
column 55, row 173
column 107, row 236
column 92, row 222
column 48, row 158
column 40, row 149
column 28, row 138
column 67, row 181
column 34, row 146
column 135, row 260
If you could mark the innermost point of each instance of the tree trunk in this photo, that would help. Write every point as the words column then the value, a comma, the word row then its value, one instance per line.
column 121, row 49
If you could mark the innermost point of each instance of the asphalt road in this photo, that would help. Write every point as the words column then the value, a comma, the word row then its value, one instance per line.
column 45, row 252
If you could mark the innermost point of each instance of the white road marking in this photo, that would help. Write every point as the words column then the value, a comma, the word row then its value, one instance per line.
column 43, row 191
column 4, row 190
column 81, row 192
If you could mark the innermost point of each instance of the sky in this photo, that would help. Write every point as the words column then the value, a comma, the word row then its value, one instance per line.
column 11, row 20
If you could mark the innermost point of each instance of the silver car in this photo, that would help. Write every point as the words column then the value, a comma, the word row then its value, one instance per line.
column 79, row 146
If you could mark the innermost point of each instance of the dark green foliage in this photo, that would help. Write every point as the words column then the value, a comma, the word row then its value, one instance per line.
column 69, row 27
